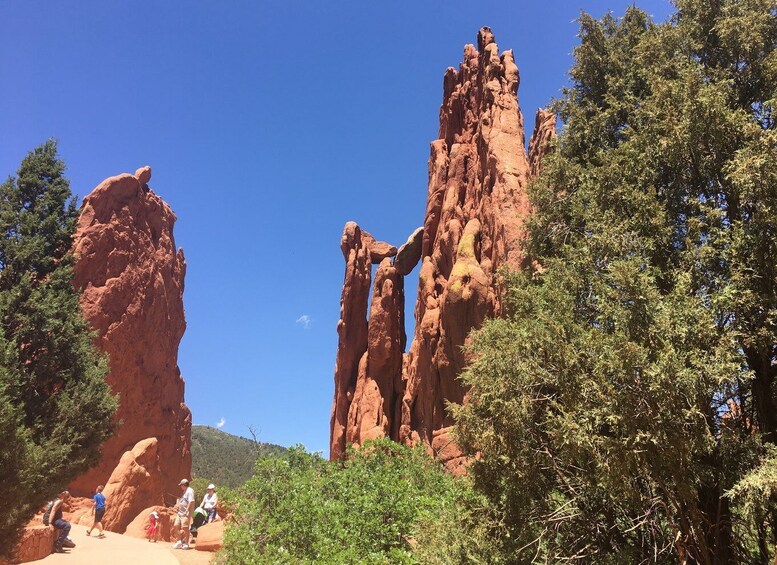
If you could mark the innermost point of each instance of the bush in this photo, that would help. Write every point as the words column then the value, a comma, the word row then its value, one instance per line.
column 372, row 508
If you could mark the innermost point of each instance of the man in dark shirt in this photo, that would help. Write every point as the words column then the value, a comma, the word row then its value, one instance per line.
column 58, row 522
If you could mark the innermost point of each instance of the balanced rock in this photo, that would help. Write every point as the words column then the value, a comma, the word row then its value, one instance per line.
column 409, row 253
column 143, row 175
column 131, row 277
column 379, row 250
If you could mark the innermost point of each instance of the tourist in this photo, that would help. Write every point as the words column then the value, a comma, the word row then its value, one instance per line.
column 98, row 510
column 185, row 509
column 209, row 502
column 152, row 531
column 200, row 517
column 58, row 522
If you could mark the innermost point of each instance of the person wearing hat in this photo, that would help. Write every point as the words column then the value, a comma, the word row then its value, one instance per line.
column 185, row 508
column 152, row 531
column 209, row 502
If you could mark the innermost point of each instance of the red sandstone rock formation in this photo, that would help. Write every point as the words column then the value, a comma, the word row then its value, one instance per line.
column 210, row 537
column 137, row 528
column 476, row 205
column 36, row 542
column 132, row 276
column 135, row 484
column 475, row 212
column 541, row 139
column 374, row 410
column 356, row 377
column 351, row 331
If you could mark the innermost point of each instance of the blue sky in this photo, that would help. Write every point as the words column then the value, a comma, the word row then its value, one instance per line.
column 268, row 125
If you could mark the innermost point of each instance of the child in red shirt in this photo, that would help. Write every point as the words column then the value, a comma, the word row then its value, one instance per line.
column 152, row 531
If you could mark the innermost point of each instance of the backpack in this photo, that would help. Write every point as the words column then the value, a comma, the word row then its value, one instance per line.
column 47, row 512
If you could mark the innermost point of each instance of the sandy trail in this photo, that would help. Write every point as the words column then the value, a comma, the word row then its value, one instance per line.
column 116, row 549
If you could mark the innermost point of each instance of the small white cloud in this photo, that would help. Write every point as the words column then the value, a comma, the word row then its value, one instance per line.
column 220, row 423
column 305, row 320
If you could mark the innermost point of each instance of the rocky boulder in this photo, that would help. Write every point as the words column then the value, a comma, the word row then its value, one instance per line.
column 136, row 480
column 410, row 253
column 210, row 537
column 137, row 527
column 36, row 542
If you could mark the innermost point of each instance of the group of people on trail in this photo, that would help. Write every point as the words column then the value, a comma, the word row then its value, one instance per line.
column 187, row 520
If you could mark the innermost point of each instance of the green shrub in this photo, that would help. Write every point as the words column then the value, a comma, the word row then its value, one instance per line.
column 372, row 508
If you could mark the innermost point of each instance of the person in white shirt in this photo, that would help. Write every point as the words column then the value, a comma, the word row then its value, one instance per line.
column 209, row 502
column 185, row 509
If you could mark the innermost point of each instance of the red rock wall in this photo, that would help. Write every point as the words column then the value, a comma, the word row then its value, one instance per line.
column 374, row 411
column 132, row 279
column 36, row 542
column 474, row 221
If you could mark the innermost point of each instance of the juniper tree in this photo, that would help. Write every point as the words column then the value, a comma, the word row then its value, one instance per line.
column 55, row 406
column 632, row 385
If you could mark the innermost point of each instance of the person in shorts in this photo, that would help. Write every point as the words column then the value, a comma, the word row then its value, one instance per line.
column 98, row 510
column 185, row 509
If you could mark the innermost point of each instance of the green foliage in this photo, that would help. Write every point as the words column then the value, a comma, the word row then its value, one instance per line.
column 55, row 406
column 619, row 399
column 367, row 509
column 224, row 459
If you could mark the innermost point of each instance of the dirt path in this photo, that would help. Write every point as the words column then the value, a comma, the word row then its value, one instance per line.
column 116, row 549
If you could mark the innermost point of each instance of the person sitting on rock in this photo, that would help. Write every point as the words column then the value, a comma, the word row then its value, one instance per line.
column 200, row 517
column 209, row 502
column 58, row 522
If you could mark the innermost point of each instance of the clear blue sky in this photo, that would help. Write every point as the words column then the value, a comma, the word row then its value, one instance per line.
column 268, row 125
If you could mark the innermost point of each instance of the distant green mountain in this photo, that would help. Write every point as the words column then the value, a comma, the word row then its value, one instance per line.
column 224, row 459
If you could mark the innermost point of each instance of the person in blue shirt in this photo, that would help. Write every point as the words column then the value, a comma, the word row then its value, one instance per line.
column 98, row 510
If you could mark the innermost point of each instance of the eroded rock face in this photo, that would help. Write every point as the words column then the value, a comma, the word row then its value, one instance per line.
column 541, row 140
column 475, row 213
column 132, row 278
column 135, row 484
column 138, row 526
column 351, row 330
column 374, row 411
column 476, row 207
column 210, row 537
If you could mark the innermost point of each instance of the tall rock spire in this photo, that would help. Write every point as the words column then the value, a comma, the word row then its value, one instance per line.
column 131, row 277
column 475, row 213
